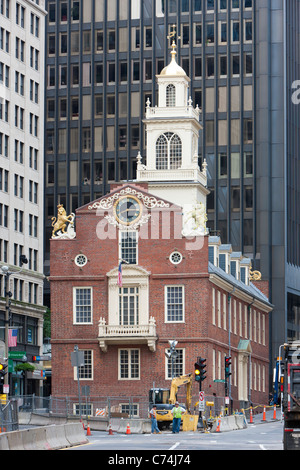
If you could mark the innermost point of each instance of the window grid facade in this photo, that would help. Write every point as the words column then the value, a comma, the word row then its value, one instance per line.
column 209, row 30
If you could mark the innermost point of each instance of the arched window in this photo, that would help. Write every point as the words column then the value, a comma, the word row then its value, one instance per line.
column 168, row 152
column 175, row 152
column 170, row 95
column 162, row 153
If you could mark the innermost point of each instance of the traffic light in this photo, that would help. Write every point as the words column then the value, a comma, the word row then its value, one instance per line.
column 227, row 366
column 202, row 369
column 197, row 372
column 2, row 374
column 199, row 369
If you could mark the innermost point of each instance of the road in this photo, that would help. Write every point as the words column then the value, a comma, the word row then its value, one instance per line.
column 263, row 436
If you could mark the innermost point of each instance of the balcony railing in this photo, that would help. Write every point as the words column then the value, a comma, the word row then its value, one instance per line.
column 132, row 334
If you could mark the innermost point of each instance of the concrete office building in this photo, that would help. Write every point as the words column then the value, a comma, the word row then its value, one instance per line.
column 22, row 45
column 242, row 57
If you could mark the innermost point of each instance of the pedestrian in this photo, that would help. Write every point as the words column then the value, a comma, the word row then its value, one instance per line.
column 176, row 412
column 154, row 426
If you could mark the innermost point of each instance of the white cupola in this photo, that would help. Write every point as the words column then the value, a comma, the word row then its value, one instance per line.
column 171, row 168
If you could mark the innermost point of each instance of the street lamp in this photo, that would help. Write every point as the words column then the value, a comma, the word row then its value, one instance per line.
column 6, row 272
column 172, row 354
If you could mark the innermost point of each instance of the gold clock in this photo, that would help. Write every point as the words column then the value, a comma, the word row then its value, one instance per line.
column 128, row 210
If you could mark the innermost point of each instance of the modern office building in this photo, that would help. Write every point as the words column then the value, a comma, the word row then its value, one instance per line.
column 242, row 57
column 22, row 45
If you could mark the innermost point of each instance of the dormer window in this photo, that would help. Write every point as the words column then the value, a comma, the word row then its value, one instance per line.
column 168, row 151
column 170, row 95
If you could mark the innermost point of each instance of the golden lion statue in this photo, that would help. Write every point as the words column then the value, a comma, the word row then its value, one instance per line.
column 62, row 219
column 254, row 275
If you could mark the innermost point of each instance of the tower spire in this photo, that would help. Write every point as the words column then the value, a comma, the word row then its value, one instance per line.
column 174, row 45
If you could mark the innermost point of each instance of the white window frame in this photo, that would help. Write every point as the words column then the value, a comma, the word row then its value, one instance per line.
column 168, row 151
column 75, row 322
column 170, row 95
column 183, row 303
column 121, row 255
column 129, row 350
column 136, row 306
column 168, row 362
column 91, row 365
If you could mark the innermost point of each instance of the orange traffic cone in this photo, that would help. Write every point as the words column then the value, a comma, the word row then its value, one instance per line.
column 264, row 414
column 110, row 430
column 82, row 424
column 128, row 429
column 88, row 431
column 274, row 412
column 251, row 415
column 219, row 425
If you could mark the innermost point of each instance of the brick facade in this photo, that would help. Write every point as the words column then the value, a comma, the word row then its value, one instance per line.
column 202, row 331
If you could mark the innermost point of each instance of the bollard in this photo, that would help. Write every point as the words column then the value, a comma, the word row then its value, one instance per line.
column 251, row 415
column 264, row 414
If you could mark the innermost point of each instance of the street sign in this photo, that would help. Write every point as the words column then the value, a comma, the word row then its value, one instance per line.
column 41, row 358
column 201, row 401
column 80, row 358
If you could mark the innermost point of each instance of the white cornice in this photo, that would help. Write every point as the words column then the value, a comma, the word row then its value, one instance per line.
column 239, row 294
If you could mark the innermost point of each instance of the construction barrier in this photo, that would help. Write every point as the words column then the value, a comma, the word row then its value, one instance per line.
column 189, row 422
column 44, row 438
column 56, row 434
column 229, row 423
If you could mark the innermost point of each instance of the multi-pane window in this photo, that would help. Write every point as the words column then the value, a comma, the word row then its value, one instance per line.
column 170, row 95
column 128, row 247
column 174, row 301
column 83, row 305
column 86, row 372
column 175, row 367
column 129, row 306
column 129, row 364
column 168, row 151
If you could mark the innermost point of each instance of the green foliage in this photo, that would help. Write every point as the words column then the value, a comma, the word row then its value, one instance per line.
column 24, row 366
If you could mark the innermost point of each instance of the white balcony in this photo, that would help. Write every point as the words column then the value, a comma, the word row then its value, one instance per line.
column 131, row 334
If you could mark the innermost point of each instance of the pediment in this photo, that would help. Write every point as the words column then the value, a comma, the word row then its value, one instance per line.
column 245, row 346
column 129, row 271
column 107, row 202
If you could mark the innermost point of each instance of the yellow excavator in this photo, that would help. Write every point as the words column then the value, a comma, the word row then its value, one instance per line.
column 165, row 399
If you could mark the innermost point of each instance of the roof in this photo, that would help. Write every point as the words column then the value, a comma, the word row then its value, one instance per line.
column 173, row 69
column 250, row 290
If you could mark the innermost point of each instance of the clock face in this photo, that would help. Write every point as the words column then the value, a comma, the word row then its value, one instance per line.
column 127, row 210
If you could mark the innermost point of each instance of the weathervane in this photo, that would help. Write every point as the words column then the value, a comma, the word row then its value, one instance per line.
column 172, row 35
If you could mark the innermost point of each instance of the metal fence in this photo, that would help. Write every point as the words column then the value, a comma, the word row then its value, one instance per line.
column 127, row 407
column 9, row 416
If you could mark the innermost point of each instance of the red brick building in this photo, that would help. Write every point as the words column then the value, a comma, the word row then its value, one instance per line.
column 177, row 282
column 170, row 291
